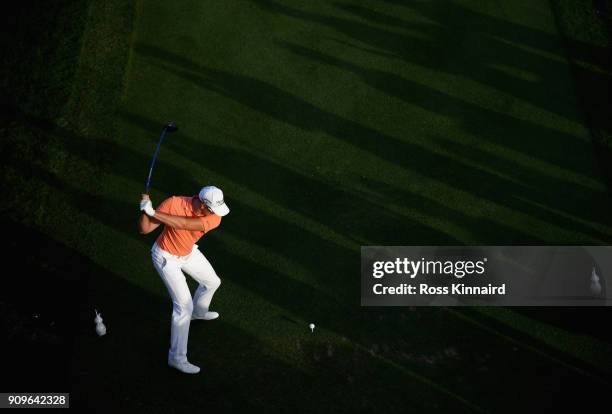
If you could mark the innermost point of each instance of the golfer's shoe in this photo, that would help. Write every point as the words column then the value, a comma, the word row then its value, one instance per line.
column 184, row 366
column 208, row 316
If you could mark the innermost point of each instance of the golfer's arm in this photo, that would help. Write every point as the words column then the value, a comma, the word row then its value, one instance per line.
column 147, row 224
column 179, row 222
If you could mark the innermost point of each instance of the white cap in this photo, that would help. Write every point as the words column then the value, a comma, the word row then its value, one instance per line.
column 213, row 198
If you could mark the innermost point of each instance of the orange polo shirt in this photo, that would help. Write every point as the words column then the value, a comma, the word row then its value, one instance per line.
column 180, row 242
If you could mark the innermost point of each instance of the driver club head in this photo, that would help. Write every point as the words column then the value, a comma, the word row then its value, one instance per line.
column 171, row 126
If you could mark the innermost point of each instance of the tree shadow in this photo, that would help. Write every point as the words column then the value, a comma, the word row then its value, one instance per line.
column 542, row 186
column 283, row 106
column 521, row 61
column 482, row 47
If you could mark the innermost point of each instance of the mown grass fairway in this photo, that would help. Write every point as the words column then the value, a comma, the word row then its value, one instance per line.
column 332, row 125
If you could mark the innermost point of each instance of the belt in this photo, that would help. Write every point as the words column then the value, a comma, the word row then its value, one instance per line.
column 168, row 255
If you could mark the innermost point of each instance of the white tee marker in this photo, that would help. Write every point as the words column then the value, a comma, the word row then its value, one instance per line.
column 595, row 285
column 311, row 326
column 100, row 328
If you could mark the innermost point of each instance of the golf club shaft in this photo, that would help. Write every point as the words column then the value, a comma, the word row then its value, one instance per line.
column 161, row 138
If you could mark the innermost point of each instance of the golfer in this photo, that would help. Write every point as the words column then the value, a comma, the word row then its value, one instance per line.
column 186, row 219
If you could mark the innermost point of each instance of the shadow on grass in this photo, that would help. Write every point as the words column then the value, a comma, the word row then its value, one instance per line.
column 513, row 58
column 477, row 182
column 500, row 129
column 516, row 59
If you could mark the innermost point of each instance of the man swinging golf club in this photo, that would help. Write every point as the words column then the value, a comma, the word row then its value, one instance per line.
column 186, row 220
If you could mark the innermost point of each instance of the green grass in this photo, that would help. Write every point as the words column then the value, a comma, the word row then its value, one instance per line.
column 330, row 126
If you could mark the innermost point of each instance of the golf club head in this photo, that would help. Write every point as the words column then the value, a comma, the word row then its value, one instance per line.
column 171, row 126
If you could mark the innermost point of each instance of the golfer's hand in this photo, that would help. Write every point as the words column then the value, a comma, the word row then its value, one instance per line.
column 147, row 207
column 143, row 201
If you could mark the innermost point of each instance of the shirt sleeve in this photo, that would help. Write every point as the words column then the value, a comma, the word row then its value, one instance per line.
column 211, row 222
column 164, row 207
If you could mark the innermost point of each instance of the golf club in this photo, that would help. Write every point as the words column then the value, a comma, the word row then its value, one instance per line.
column 169, row 127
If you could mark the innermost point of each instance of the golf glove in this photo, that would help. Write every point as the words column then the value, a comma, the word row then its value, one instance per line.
column 147, row 207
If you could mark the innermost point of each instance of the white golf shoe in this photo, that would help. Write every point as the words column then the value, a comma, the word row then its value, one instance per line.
column 184, row 366
column 208, row 316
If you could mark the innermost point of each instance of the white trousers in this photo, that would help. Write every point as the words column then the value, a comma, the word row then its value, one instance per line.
column 170, row 269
